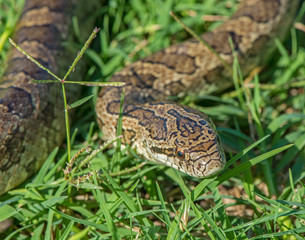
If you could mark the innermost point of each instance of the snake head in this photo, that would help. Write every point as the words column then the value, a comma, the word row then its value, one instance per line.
column 197, row 150
column 188, row 141
column 199, row 153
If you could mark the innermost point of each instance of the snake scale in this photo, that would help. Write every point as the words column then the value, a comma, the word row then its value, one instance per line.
column 31, row 115
column 161, row 131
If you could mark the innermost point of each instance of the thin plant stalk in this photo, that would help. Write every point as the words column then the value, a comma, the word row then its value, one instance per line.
column 67, row 122
column 62, row 81
column 81, row 52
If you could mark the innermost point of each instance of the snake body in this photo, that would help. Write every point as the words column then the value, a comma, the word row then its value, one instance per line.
column 176, row 135
column 31, row 122
column 31, row 115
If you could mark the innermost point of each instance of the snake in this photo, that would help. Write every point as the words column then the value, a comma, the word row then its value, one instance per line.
column 161, row 131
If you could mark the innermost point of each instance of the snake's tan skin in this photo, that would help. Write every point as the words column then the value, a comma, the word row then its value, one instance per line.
column 176, row 135
column 31, row 116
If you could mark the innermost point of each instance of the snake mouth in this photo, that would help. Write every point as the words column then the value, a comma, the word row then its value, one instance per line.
column 207, row 162
column 201, row 167
column 214, row 167
column 204, row 170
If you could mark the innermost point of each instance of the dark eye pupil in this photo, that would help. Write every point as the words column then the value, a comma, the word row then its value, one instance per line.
column 180, row 154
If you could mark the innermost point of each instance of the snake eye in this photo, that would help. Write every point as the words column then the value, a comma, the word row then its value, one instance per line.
column 180, row 153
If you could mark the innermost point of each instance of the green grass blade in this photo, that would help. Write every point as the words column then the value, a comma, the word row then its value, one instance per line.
column 79, row 102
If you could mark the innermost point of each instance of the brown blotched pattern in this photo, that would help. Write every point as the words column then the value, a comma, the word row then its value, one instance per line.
column 178, row 136
column 31, row 115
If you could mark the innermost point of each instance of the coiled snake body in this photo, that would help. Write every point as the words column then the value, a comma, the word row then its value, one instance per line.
column 161, row 131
